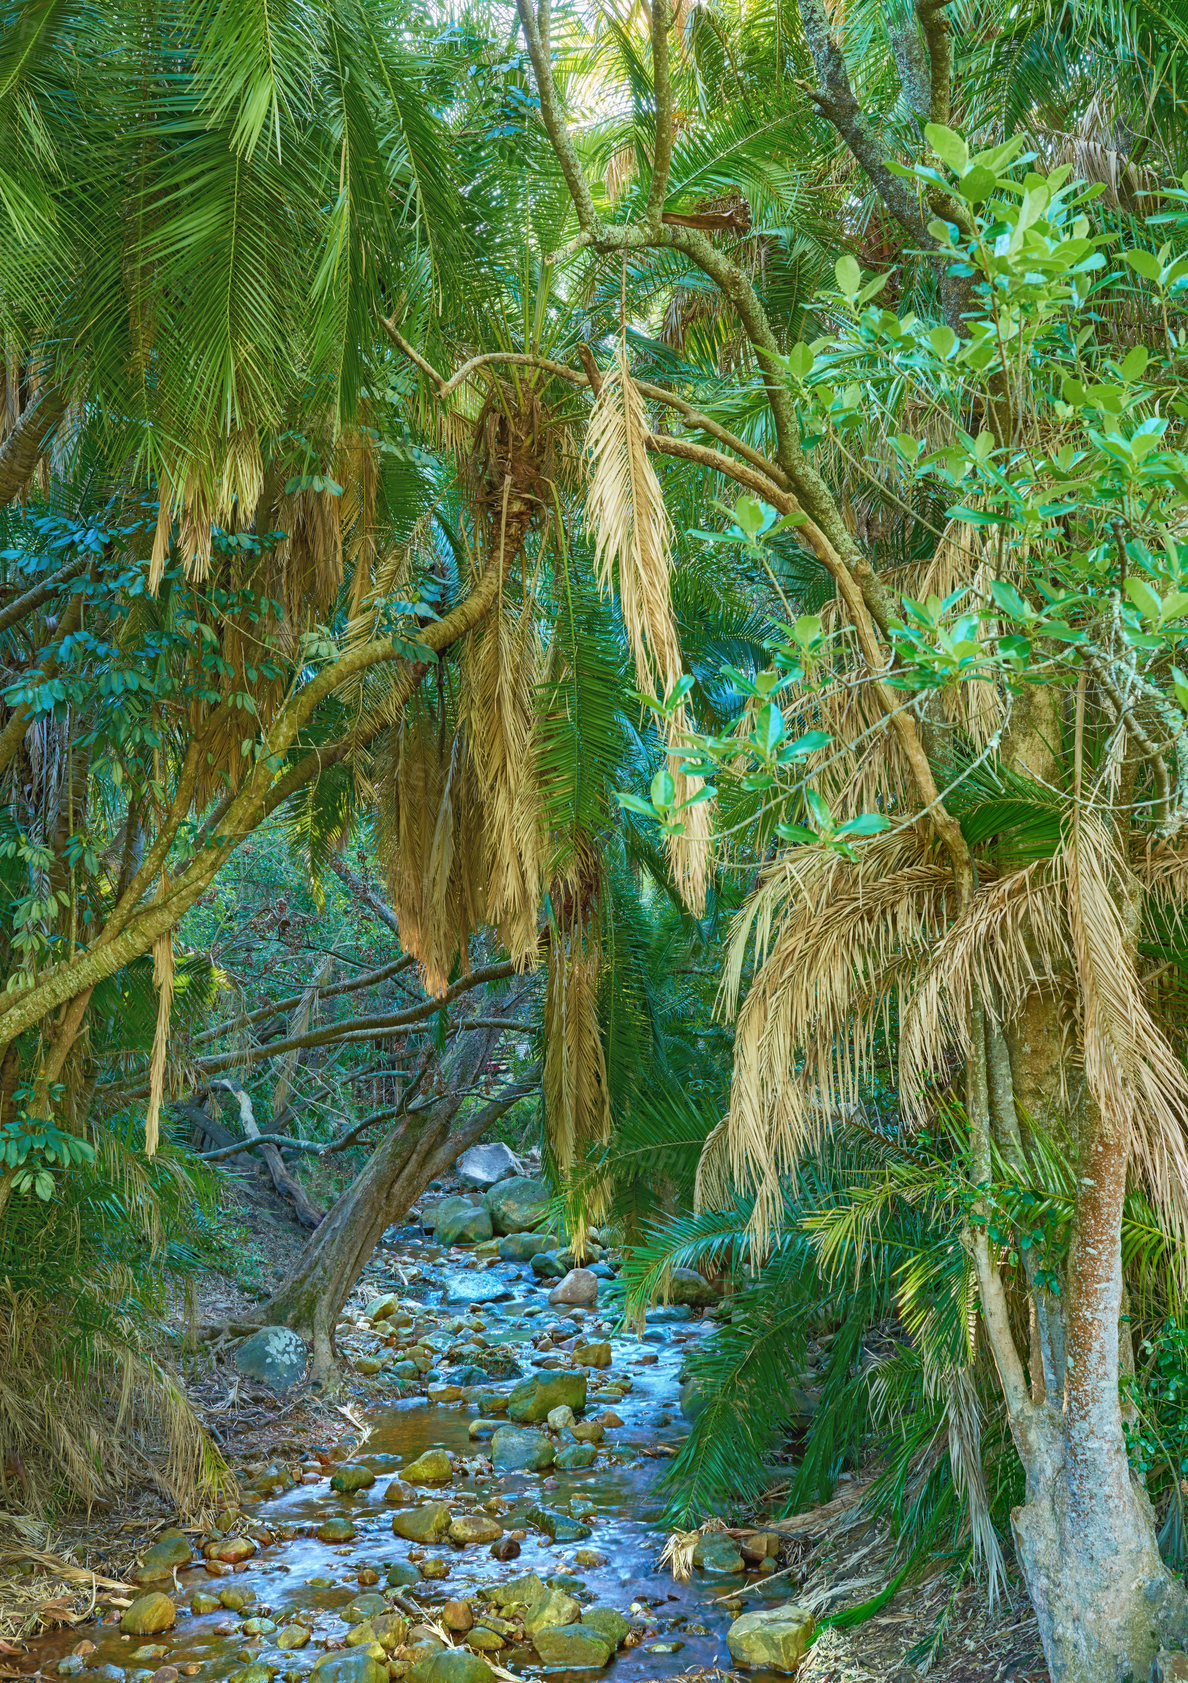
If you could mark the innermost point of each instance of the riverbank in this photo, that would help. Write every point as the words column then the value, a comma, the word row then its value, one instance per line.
column 432, row 1371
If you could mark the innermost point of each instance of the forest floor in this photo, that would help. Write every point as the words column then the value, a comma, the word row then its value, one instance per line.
column 928, row 1628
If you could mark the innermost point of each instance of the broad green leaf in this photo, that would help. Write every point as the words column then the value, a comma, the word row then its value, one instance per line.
column 948, row 146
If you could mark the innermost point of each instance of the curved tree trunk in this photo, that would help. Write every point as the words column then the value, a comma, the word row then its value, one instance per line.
column 398, row 1171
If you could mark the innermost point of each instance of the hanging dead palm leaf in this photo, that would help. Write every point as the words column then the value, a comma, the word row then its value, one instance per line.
column 633, row 536
column 577, row 1112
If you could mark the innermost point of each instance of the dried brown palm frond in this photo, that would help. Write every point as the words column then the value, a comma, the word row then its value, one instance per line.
column 632, row 533
column 431, row 835
column 96, row 1424
column 310, row 553
column 501, row 667
column 577, row 1112
column 163, row 977
column 833, row 940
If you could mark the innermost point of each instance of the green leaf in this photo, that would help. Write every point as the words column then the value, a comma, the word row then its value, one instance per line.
column 1143, row 263
column 849, row 276
column 1134, row 364
column 663, row 789
column 800, row 360
column 769, row 728
column 1146, row 600
column 948, row 146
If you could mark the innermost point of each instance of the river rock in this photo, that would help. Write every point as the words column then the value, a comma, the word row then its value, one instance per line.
column 291, row 1636
column 577, row 1456
column 452, row 1665
column 468, row 1529
column 426, row 1524
column 579, row 1289
column 560, row 1527
column 258, row 1671
column 715, row 1552
column 1167, row 1667
column 171, row 1549
column 526, row 1591
column 776, row 1639
column 349, row 1665
column 597, row 1354
column 490, row 1289
column 434, row 1567
column 433, row 1467
column 457, row 1615
column 521, row 1451
column 559, row 1418
column 351, row 1476
column 522, row 1247
column 548, row 1265
column 517, row 1205
column 382, row 1308
column 337, row 1529
column 485, row 1165
column 532, row 1398
column 587, row 1431
column 276, row 1356
column 572, row 1646
column 686, row 1286
column 461, row 1224
column 556, row 1607
column 401, row 1574
column 149, row 1614
column 609, row 1624
column 362, row 1607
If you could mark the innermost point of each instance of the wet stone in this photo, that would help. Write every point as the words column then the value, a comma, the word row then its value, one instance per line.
column 171, row 1549
column 572, row 1646
column 556, row 1608
column 532, row 1399
column 452, row 1665
column 715, row 1552
column 435, row 1568
column 426, row 1524
column 401, row 1574
column 433, row 1467
column 560, row 1527
column 351, row 1476
column 340, row 1530
column 350, row 1666
column 204, row 1602
column 609, row 1623
column 292, row 1636
column 577, row 1456
column 521, row 1450
column 148, row 1614
column 775, row 1639
column 474, row 1528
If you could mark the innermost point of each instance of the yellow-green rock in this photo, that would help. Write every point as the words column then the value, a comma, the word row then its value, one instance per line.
column 149, row 1614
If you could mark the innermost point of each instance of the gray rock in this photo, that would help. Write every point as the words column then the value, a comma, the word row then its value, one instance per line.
column 532, row 1399
column 525, row 1591
column 485, row 1165
column 517, row 1205
column 556, row 1607
column 572, row 1646
column 609, row 1624
column 487, row 1288
column 401, row 1574
column 687, row 1286
column 1167, row 1667
column 579, row 1289
column 577, row 1456
column 522, row 1247
column 275, row 1355
column 715, row 1552
column 776, row 1639
column 520, row 1450
column 548, row 1265
column 349, row 1665
column 560, row 1527
column 456, row 1221
column 452, row 1665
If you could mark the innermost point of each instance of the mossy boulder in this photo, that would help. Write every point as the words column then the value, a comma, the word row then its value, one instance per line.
column 452, row 1665
column 351, row 1476
column 533, row 1398
column 572, row 1646
column 433, row 1467
column 776, row 1639
column 517, row 1205
column 521, row 1450
column 608, row 1622
column 426, row 1524
column 148, row 1615
column 275, row 1355
column 349, row 1665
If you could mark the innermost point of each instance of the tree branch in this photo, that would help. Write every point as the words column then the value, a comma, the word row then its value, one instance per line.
column 662, row 99
column 27, row 440
column 28, row 603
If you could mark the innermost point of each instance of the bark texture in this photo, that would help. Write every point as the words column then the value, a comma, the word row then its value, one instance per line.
column 427, row 1142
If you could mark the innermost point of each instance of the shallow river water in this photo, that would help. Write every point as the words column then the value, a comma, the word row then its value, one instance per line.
column 298, row 1574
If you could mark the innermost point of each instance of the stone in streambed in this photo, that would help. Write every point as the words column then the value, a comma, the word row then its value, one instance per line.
column 457, row 1615
column 579, row 1289
column 362, row 1608
column 715, row 1552
column 351, row 1476
column 400, row 1575
column 560, row 1527
column 517, row 1205
column 461, row 1221
column 171, row 1549
column 522, row 1247
column 521, row 1450
column 433, row 1467
column 576, row 1457
column 335, row 1530
column 556, row 1607
column 484, row 1428
column 452, row 1665
column 572, row 1646
column 275, row 1355
column 559, row 1418
column 349, row 1665
column 526, row 1591
column 532, row 1399
column 588, row 1559
column 593, row 1355
column 291, row 1636
column 426, row 1524
column 610, row 1625
column 468, row 1529
column 776, row 1639
column 149, row 1614
column 486, row 1165
column 548, row 1265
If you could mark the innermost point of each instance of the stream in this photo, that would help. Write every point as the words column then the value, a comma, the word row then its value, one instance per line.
column 296, row 1579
